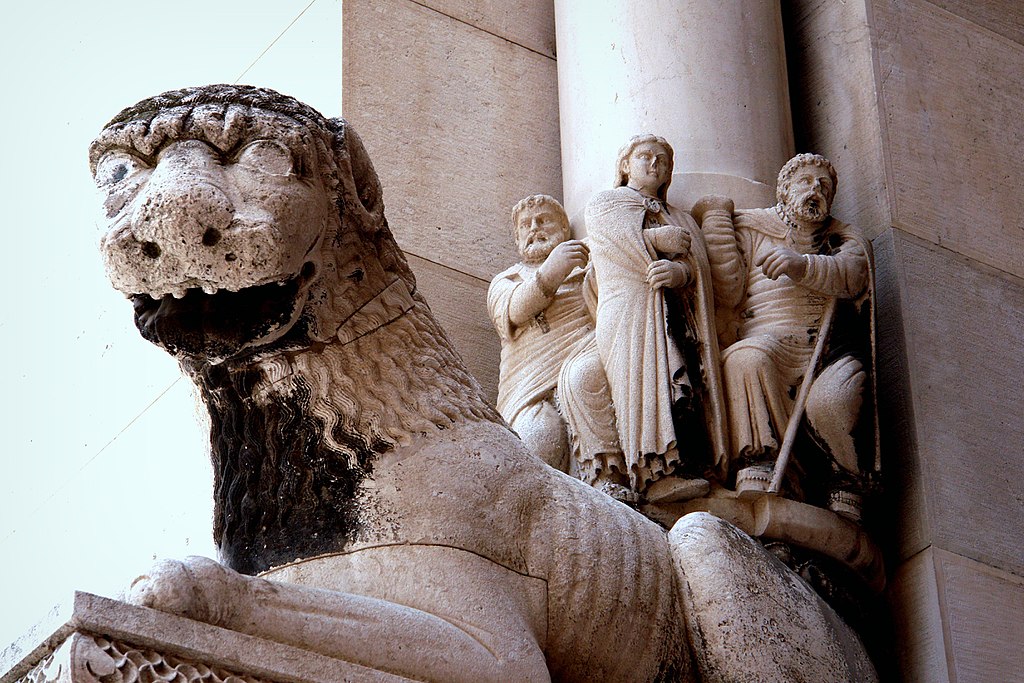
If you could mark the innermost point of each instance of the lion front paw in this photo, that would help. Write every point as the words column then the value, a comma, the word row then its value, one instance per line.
column 192, row 588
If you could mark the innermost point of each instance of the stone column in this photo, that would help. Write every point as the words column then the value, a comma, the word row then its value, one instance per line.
column 708, row 75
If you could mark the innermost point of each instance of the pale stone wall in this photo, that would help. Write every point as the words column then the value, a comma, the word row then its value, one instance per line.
column 457, row 103
column 918, row 103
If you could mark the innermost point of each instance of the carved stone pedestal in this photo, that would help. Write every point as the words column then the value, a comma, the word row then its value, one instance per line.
column 99, row 640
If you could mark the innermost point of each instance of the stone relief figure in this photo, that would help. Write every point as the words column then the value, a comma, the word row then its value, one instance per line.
column 645, row 253
column 797, row 283
column 398, row 523
column 551, row 376
column 538, row 309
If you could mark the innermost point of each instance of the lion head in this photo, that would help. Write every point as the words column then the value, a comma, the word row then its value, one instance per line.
column 232, row 214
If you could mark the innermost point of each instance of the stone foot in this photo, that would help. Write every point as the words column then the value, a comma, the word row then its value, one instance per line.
column 191, row 588
column 752, row 619
column 846, row 504
column 753, row 481
column 619, row 492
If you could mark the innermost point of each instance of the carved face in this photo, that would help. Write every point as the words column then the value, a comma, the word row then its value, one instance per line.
column 648, row 167
column 216, row 248
column 809, row 194
column 539, row 229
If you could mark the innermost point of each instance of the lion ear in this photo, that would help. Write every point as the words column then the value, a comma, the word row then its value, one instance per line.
column 359, row 183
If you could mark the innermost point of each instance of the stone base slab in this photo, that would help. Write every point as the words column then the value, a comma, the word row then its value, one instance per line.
column 100, row 640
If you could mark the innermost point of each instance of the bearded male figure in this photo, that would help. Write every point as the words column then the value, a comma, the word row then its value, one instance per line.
column 641, row 248
column 538, row 309
column 777, row 269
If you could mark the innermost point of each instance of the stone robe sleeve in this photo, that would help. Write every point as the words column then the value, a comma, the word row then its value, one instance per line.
column 728, row 271
column 843, row 274
column 532, row 351
column 513, row 298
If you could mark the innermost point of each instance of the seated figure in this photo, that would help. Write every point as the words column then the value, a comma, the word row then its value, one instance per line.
column 538, row 310
column 779, row 270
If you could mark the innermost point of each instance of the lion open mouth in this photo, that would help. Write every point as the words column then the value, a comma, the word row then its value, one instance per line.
column 219, row 325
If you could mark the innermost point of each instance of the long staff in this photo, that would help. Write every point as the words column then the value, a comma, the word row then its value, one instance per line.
column 782, row 462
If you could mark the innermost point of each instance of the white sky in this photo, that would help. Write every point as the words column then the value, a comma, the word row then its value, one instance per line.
column 104, row 455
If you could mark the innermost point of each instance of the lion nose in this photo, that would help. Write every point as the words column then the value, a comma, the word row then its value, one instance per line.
column 181, row 220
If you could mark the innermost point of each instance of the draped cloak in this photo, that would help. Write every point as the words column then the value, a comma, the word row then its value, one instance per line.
column 643, row 363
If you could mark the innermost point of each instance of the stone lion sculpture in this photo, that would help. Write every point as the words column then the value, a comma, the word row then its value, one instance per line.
column 398, row 523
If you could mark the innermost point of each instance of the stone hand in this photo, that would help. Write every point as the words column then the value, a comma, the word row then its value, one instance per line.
column 669, row 240
column 782, row 261
column 560, row 262
column 663, row 273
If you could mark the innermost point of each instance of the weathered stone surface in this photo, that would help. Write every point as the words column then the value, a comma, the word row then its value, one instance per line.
column 962, row 324
column 93, row 639
column 346, row 432
column 773, row 518
column 835, row 106
column 462, row 126
column 710, row 77
column 950, row 93
column 957, row 619
column 788, row 634
column 1000, row 16
column 354, row 426
column 530, row 23
column 904, row 484
column 982, row 609
column 917, row 621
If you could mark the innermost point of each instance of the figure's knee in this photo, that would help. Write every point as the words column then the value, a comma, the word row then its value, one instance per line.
column 583, row 373
column 837, row 392
column 746, row 361
column 542, row 430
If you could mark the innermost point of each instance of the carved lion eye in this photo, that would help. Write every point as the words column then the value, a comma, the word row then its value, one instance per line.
column 268, row 156
column 117, row 166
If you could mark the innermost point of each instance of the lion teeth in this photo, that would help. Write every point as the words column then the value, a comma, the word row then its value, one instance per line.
column 178, row 293
column 209, row 289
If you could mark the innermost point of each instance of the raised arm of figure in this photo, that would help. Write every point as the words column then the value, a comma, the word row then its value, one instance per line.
column 714, row 213
column 843, row 274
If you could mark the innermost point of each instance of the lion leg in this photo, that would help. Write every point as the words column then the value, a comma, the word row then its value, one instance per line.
column 750, row 618
column 374, row 633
